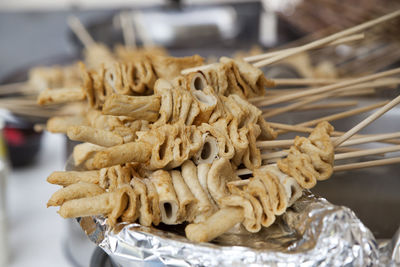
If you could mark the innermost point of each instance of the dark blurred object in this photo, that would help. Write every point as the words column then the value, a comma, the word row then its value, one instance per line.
column 23, row 143
column 70, row 144
column 312, row 16
column 100, row 259
column 319, row 18
column 206, row 29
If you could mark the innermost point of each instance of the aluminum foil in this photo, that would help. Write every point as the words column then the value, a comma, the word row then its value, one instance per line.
column 313, row 232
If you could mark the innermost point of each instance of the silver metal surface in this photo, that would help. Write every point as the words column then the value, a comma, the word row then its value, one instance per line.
column 311, row 233
column 183, row 26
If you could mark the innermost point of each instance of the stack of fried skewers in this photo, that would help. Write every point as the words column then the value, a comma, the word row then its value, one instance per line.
column 173, row 150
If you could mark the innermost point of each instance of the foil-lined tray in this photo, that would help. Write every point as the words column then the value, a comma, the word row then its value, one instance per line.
column 313, row 232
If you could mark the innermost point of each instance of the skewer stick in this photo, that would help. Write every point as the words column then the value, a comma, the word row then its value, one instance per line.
column 344, row 167
column 350, row 142
column 302, row 104
column 337, row 104
column 349, row 90
column 12, row 88
column 366, row 164
column 367, row 121
column 295, row 105
column 29, row 111
column 367, row 152
column 346, row 155
column 330, row 105
column 274, row 155
column 343, row 149
column 369, row 139
column 291, row 128
column 80, row 31
column 127, row 29
column 141, row 30
column 311, row 81
column 343, row 40
column 362, row 92
column 345, row 114
column 351, row 38
column 328, row 88
column 327, row 39
column 271, row 94
column 305, row 81
column 18, row 101
column 302, row 129
column 274, row 94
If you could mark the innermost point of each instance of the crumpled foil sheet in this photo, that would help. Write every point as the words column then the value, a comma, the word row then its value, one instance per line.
column 313, row 232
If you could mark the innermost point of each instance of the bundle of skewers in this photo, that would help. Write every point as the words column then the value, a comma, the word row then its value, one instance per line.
column 171, row 140
column 370, row 55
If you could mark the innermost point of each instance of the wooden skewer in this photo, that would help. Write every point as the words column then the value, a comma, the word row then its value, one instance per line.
column 80, row 31
column 316, row 81
column 18, row 102
column 328, row 88
column 12, row 88
column 275, row 93
column 312, row 45
column 351, row 38
column 295, row 105
column 342, row 149
column 30, row 111
column 302, row 129
column 344, row 167
column 366, row 164
column 347, row 155
column 299, row 104
column 305, row 81
column 330, row 105
column 274, row 155
column 127, row 29
column 344, row 91
column 302, row 103
column 141, row 30
column 327, row 39
column 367, row 121
column 344, row 114
column 350, row 142
column 367, row 152
column 337, row 104
column 362, row 92
column 347, row 93
column 369, row 139
column 337, row 116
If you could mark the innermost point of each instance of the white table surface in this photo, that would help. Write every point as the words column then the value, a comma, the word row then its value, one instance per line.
column 36, row 233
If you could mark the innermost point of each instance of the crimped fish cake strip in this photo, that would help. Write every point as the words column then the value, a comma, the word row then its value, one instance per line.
column 74, row 191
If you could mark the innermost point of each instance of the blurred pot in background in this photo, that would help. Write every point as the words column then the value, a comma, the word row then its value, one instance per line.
column 22, row 141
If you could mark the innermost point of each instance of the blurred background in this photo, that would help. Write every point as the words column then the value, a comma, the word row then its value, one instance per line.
column 35, row 33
